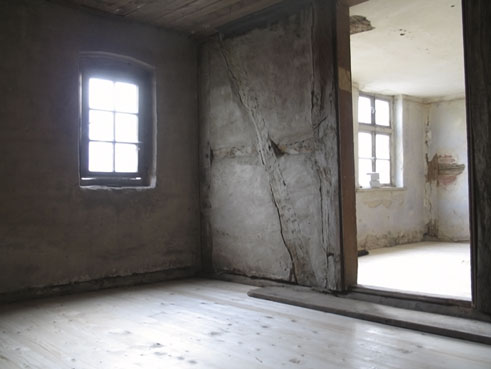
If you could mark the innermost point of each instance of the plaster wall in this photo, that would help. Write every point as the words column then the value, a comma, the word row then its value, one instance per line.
column 430, row 201
column 391, row 216
column 52, row 231
column 448, row 144
column 263, row 182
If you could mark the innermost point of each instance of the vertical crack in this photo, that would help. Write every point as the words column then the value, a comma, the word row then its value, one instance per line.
column 291, row 234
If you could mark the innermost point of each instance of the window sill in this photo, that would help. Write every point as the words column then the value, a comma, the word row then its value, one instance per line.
column 381, row 189
column 117, row 188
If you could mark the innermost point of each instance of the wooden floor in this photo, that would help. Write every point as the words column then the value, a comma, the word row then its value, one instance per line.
column 210, row 324
column 436, row 268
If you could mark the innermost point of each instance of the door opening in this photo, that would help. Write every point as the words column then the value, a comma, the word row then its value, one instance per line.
column 410, row 140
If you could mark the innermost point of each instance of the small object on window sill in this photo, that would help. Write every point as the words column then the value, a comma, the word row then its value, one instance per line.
column 374, row 180
column 362, row 253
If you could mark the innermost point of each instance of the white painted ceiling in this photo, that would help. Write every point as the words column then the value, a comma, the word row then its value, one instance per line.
column 415, row 49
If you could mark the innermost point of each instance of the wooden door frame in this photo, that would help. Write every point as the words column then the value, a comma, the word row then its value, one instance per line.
column 477, row 30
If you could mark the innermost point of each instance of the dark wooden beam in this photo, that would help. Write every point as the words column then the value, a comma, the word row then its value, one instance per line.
column 351, row 3
column 263, row 17
column 477, row 33
column 347, row 192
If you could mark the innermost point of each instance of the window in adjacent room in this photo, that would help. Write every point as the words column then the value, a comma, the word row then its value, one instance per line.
column 116, row 144
column 374, row 140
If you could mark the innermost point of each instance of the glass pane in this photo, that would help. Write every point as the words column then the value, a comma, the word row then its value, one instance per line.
column 364, row 167
column 364, row 110
column 126, row 97
column 100, row 157
column 126, row 128
column 126, row 158
column 383, row 168
column 101, row 94
column 101, row 125
column 383, row 146
column 382, row 113
column 364, row 145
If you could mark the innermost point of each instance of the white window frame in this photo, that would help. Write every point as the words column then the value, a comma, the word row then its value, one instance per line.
column 375, row 129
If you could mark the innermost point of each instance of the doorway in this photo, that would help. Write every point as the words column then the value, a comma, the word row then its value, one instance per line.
column 411, row 147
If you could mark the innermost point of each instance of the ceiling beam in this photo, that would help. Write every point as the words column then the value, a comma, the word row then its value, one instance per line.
column 354, row 2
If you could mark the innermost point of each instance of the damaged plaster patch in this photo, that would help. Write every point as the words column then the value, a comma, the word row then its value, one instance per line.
column 359, row 24
column 448, row 170
column 443, row 169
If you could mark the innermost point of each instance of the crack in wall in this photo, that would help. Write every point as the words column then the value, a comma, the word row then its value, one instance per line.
column 325, row 135
column 291, row 233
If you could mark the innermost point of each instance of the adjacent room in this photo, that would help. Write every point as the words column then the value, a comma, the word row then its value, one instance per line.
column 181, row 187
column 411, row 144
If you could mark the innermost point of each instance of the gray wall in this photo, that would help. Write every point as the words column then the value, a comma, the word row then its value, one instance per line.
column 52, row 231
column 263, row 184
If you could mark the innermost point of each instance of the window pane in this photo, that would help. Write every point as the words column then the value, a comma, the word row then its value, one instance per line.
column 101, row 94
column 382, row 113
column 126, row 97
column 383, row 167
column 126, row 158
column 364, row 110
column 383, row 146
column 364, row 167
column 100, row 157
column 364, row 145
column 126, row 128
column 101, row 125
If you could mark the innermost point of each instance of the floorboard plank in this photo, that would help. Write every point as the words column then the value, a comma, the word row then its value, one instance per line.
column 210, row 324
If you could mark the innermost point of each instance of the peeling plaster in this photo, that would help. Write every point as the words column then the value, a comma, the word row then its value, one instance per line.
column 359, row 23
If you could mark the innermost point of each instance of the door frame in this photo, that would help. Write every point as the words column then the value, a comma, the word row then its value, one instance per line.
column 477, row 53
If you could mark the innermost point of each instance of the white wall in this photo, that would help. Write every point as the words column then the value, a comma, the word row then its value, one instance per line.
column 447, row 121
column 391, row 216
column 419, row 207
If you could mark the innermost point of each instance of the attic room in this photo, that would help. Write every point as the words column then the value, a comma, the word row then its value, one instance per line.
column 180, row 190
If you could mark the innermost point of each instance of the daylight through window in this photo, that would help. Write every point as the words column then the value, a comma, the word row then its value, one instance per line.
column 374, row 141
column 116, row 144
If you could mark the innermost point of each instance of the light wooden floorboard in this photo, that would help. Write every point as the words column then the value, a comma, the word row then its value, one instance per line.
column 210, row 324
column 436, row 268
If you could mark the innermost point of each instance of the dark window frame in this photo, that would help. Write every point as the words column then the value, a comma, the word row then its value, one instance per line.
column 122, row 69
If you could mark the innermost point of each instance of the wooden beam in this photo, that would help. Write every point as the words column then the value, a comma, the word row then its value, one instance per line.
column 477, row 32
column 347, row 196
column 351, row 3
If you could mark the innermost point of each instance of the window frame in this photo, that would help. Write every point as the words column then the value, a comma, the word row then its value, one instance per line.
column 121, row 69
column 373, row 129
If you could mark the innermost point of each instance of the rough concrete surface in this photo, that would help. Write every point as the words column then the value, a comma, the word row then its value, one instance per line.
column 263, row 197
column 51, row 230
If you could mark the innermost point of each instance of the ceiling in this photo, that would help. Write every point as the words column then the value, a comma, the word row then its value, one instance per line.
column 200, row 17
column 415, row 48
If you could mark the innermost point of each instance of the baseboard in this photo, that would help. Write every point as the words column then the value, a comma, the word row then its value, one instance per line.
column 98, row 284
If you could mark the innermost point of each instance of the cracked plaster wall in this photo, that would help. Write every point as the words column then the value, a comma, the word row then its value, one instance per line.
column 263, row 182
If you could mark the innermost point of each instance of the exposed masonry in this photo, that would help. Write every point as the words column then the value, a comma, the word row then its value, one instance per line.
column 359, row 23
column 269, row 151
